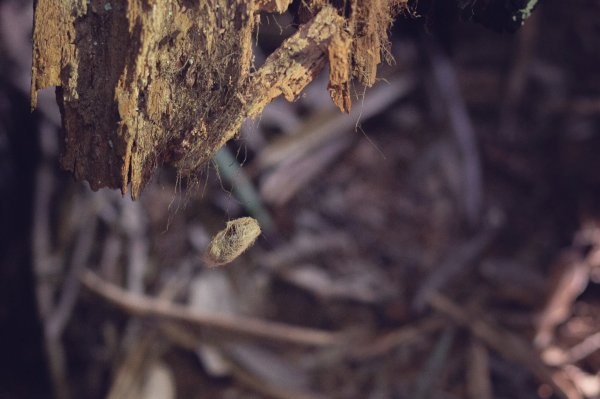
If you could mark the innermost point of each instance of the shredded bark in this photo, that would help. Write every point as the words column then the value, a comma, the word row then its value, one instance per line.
column 340, row 69
column 369, row 22
column 146, row 83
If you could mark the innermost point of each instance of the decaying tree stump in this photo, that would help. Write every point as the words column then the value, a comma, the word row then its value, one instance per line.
column 144, row 83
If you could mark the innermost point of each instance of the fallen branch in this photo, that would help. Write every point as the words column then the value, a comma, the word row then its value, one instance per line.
column 144, row 306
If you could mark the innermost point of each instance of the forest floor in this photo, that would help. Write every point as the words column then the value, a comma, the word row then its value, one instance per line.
column 440, row 241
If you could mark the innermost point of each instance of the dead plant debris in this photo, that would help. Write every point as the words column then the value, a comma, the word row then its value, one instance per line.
column 143, row 84
column 374, row 279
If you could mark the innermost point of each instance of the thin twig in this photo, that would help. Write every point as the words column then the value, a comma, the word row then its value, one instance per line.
column 332, row 124
column 517, row 79
column 456, row 264
column 392, row 340
column 464, row 132
column 134, row 222
column 266, row 388
column 584, row 349
column 139, row 355
column 190, row 341
column 129, row 373
column 148, row 307
column 427, row 381
column 569, row 279
column 479, row 384
column 291, row 177
column 61, row 313
column 44, row 263
column 507, row 344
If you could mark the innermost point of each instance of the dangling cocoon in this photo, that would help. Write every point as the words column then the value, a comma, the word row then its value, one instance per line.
column 231, row 242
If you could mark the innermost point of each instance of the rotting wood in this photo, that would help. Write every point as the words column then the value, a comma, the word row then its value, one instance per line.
column 285, row 72
column 340, row 69
column 144, row 83
column 369, row 22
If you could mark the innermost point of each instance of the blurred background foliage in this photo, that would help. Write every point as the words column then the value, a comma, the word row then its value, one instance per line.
column 441, row 241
